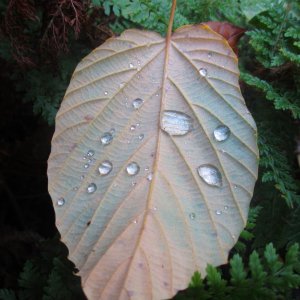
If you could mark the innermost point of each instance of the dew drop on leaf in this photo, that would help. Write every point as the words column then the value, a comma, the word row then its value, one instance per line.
column 132, row 169
column 91, row 188
column 106, row 138
column 141, row 136
column 218, row 212
column 105, row 167
column 192, row 216
column 86, row 166
column 150, row 176
column 176, row 123
column 90, row 153
column 60, row 202
column 137, row 103
column 221, row 133
column 203, row 72
column 210, row 175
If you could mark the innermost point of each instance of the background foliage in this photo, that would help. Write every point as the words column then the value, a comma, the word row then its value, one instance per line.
column 42, row 42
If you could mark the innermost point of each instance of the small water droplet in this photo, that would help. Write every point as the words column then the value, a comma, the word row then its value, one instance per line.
column 131, row 65
column 132, row 169
column 132, row 127
column 218, row 212
column 147, row 169
column 90, row 153
column 91, row 188
column 137, row 103
column 155, row 208
column 84, row 158
column 86, row 166
column 60, row 202
column 133, row 183
column 157, row 95
column 106, row 93
column 135, row 221
column 106, row 138
column 225, row 207
column 192, row 216
column 176, row 123
column 82, row 177
column 138, row 62
column 105, row 167
column 138, row 68
column 221, row 133
column 209, row 54
column 210, row 175
column 235, row 186
column 141, row 136
column 203, row 72
column 75, row 188
column 137, row 124
column 150, row 176
column 89, row 161
column 122, row 84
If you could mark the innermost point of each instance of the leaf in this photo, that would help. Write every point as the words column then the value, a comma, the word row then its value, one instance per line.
column 130, row 204
column 230, row 32
column 252, row 8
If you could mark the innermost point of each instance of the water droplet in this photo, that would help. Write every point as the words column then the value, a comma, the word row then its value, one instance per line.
column 225, row 207
column 89, row 161
column 176, row 123
column 147, row 168
column 122, row 84
column 209, row 54
column 91, row 188
column 141, row 136
column 192, row 216
column 86, row 166
column 106, row 93
column 221, row 133
column 90, row 153
column 132, row 169
column 84, row 158
column 210, row 175
column 135, row 221
column 75, row 188
column 138, row 62
column 133, row 183
column 218, row 212
column 137, row 103
column 105, row 167
column 137, row 124
column 60, row 202
column 150, row 176
column 131, row 65
column 155, row 208
column 157, row 95
column 132, row 127
column 82, row 177
column 106, row 138
column 203, row 72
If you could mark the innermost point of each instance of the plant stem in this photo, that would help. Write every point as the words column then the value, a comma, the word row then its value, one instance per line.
column 169, row 33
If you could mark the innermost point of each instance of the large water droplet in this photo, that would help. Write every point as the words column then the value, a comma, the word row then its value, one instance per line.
column 60, row 202
column 91, row 188
column 210, row 175
column 106, row 138
column 105, row 167
column 137, row 103
column 221, row 133
column 203, row 72
column 176, row 123
column 90, row 153
column 132, row 169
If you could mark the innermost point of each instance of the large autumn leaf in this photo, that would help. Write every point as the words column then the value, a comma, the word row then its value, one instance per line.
column 153, row 162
